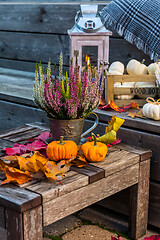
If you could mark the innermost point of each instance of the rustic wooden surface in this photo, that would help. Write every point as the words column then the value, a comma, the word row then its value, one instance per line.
column 32, row 224
column 53, row 189
column 122, row 168
column 154, row 209
column 18, row 199
column 36, row 32
column 143, row 133
column 14, row 225
column 93, row 172
column 2, row 217
column 89, row 194
column 139, row 202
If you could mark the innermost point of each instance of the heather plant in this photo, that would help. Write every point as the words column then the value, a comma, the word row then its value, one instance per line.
column 67, row 97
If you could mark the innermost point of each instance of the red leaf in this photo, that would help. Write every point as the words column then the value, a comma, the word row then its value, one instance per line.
column 43, row 136
column 12, row 151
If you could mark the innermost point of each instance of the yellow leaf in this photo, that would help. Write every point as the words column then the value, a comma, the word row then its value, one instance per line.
column 108, row 137
column 114, row 124
column 30, row 163
column 15, row 175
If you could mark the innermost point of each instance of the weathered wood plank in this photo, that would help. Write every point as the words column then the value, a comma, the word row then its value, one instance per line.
column 17, row 198
column 3, row 235
column 154, row 200
column 14, row 131
column 32, row 223
column 51, row 190
column 15, row 115
column 45, row 18
column 143, row 153
column 34, row 47
column 139, row 202
column 93, row 172
column 148, row 125
column 19, row 137
column 83, row 197
column 17, row 86
column 2, row 217
column 116, row 161
column 4, row 143
column 14, row 225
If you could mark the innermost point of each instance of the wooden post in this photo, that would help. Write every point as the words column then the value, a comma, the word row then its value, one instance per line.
column 139, row 197
column 23, row 213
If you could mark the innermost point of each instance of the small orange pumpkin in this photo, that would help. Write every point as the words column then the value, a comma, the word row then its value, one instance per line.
column 58, row 150
column 94, row 151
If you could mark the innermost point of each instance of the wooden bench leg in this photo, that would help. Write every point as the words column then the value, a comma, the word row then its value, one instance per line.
column 24, row 226
column 139, row 197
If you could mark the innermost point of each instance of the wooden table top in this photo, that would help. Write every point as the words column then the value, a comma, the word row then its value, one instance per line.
column 119, row 170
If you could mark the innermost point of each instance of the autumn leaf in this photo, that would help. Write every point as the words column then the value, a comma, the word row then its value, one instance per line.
column 9, row 161
column 136, row 114
column 16, row 176
column 37, row 144
column 79, row 161
column 10, row 158
column 55, row 171
column 43, row 136
column 114, row 124
column 28, row 162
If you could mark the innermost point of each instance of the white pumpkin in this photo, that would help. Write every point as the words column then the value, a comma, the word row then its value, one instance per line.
column 152, row 109
column 124, row 85
column 116, row 68
column 134, row 67
column 154, row 67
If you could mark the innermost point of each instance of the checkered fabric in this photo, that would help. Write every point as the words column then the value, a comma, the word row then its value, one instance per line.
column 138, row 21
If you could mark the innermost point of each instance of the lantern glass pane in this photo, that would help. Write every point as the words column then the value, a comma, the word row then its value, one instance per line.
column 92, row 53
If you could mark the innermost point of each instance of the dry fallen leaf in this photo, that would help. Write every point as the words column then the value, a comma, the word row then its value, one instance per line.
column 56, row 171
column 132, row 114
column 16, row 176
column 136, row 114
column 79, row 161
column 29, row 163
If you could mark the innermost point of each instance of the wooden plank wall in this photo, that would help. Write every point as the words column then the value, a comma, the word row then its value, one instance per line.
column 37, row 31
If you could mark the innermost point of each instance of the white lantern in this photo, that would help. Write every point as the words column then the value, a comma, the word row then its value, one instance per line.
column 89, row 39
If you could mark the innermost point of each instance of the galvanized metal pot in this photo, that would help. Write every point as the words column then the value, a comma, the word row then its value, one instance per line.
column 70, row 129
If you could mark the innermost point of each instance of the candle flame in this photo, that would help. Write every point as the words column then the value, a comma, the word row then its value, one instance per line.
column 87, row 59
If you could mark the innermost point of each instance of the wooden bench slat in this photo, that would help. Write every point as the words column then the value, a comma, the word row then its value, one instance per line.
column 15, row 131
column 76, row 200
column 116, row 161
column 18, row 137
column 53, row 189
column 17, row 198
column 93, row 172
column 144, row 153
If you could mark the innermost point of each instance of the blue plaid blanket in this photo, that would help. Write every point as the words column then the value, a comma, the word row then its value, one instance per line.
column 138, row 21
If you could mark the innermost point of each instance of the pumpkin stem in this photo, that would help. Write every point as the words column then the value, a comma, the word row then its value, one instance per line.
column 94, row 138
column 143, row 61
column 61, row 140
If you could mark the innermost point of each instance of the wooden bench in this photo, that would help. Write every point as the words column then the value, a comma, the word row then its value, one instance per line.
column 25, row 210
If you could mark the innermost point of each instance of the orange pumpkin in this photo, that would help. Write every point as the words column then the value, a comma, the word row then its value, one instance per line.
column 94, row 151
column 61, row 150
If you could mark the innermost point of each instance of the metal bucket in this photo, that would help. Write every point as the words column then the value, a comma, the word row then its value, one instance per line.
column 70, row 129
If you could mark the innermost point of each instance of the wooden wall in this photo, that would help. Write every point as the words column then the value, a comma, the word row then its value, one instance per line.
column 31, row 32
